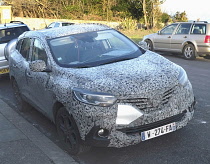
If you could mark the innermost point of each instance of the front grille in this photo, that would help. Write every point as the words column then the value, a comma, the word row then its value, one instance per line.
column 141, row 103
column 146, row 127
column 167, row 95
column 146, row 104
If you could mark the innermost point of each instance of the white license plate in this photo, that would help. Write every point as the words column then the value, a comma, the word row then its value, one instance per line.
column 149, row 134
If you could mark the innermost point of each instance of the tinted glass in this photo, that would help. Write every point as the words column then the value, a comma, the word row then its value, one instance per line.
column 38, row 52
column 57, row 25
column 92, row 48
column 18, row 45
column 199, row 29
column 25, row 48
column 168, row 30
column 184, row 28
column 67, row 24
column 11, row 33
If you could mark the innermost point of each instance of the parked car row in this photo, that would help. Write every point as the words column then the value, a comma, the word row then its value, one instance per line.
column 192, row 39
column 98, row 86
column 8, row 32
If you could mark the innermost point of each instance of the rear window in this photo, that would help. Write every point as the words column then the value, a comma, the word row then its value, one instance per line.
column 11, row 33
column 199, row 29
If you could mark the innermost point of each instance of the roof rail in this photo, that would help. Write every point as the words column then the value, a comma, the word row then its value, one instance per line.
column 200, row 21
column 16, row 22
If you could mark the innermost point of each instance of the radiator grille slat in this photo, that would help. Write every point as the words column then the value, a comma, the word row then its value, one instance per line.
column 146, row 103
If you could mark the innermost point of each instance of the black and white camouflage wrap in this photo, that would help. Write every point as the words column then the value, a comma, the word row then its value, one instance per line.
column 149, row 76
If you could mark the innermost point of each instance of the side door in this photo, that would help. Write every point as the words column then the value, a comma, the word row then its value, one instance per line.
column 20, row 64
column 37, row 82
column 181, row 35
column 162, row 41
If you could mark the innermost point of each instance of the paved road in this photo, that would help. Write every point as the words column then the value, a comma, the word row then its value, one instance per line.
column 188, row 145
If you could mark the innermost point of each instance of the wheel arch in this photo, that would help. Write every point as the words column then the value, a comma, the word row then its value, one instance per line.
column 190, row 42
column 150, row 40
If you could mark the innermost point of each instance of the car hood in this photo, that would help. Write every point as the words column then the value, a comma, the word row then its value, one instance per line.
column 149, row 36
column 146, row 73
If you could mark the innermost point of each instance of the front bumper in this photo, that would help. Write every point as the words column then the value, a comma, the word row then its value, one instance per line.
column 159, row 108
column 130, row 136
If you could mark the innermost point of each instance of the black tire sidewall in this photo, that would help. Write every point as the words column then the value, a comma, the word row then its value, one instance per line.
column 76, row 150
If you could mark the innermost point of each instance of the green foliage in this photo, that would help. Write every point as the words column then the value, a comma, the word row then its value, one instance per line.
column 128, row 11
column 180, row 17
column 128, row 24
column 165, row 18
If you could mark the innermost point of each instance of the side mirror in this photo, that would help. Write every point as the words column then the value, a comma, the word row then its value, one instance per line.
column 159, row 32
column 38, row 66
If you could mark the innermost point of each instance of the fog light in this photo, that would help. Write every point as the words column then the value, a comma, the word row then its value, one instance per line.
column 103, row 132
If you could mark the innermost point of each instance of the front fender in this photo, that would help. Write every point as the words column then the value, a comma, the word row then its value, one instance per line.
column 9, row 48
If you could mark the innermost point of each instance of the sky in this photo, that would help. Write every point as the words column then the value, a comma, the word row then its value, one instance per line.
column 195, row 9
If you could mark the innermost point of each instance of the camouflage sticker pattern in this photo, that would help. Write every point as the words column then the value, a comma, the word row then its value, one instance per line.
column 148, row 83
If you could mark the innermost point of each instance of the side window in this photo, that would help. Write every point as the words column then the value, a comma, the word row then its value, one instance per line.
column 18, row 45
column 51, row 25
column 199, row 29
column 25, row 48
column 57, row 24
column 184, row 28
column 11, row 33
column 168, row 30
column 38, row 51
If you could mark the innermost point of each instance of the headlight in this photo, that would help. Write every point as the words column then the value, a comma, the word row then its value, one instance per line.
column 94, row 98
column 183, row 79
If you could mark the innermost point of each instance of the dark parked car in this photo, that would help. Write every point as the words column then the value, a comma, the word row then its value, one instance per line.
column 8, row 32
column 98, row 87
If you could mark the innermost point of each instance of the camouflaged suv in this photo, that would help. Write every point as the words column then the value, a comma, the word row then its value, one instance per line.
column 8, row 32
column 98, row 87
column 191, row 39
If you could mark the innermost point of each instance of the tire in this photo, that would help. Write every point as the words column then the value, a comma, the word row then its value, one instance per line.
column 22, row 105
column 189, row 52
column 149, row 45
column 69, row 133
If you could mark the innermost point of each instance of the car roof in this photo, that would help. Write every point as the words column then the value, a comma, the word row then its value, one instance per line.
column 61, row 22
column 10, row 25
column 200, row 22
column 67, row 30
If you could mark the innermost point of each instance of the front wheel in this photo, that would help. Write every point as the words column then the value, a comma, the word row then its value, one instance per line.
column 189, row 52
column 149, row 45
column 69, row 133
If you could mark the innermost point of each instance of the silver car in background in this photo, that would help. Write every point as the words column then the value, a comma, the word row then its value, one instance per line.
column 59, row 24
column 191, row 39
column 9, row 32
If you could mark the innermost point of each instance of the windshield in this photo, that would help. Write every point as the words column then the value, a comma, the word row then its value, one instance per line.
column 92, row 49
column 11, row 33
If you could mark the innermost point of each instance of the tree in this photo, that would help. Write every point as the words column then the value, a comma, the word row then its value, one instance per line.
column 151, row 11
column 147, row 11
column 180, row 17
column 165, row 18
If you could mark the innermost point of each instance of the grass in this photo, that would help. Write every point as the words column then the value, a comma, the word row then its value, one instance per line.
column 137, row 35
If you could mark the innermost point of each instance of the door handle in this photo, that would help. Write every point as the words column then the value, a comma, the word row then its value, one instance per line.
column 169, row 37
column 185, row 36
